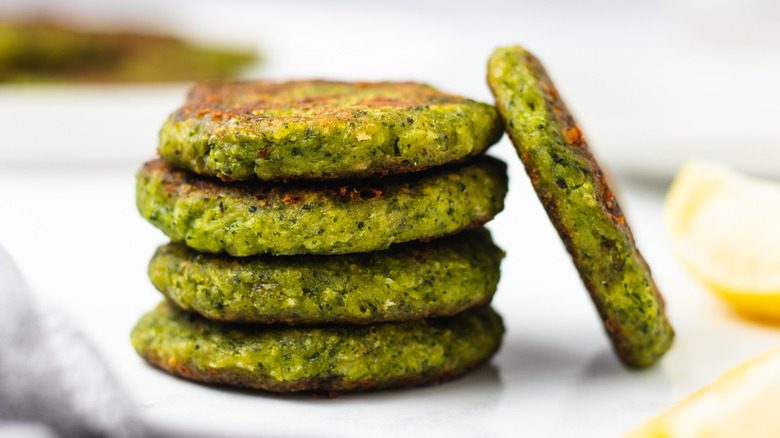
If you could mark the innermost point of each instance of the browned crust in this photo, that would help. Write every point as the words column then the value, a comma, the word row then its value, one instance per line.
column 249, row 99
column 182, row 183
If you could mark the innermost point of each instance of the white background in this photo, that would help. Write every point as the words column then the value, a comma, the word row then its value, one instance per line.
column 651, row 84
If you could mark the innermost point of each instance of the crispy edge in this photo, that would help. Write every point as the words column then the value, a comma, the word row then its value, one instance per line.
column 606, row 198
column 183, row 182
column 273, row 319
column 217, row 99
column 332, row 386
column 378, row 171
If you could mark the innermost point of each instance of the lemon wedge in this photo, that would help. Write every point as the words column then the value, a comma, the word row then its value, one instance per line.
column 725, row 227
column 741, row 403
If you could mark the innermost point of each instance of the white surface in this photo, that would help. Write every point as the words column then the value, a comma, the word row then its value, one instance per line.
column 78, row 238
column 648, row 87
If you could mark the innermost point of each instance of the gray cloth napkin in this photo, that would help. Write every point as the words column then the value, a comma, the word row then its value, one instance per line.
column 52, row 381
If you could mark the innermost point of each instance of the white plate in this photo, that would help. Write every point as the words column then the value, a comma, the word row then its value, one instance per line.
column 84, row 248
column 644, row 102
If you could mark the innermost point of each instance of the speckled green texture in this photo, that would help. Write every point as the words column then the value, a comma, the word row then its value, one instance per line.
column 284, row 219
column 321, row 358
column 322, row 130
column 408, row 281
column 572, row 189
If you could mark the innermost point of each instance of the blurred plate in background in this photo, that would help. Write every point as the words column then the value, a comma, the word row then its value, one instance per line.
column 651, row 84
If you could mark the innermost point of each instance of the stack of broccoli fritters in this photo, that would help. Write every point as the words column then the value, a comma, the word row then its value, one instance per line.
column 326, row 236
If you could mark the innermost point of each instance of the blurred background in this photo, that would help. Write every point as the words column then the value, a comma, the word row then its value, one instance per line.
column 651, row 83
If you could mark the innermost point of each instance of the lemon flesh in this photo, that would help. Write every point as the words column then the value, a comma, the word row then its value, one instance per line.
column 723, row 226
column 741, row 403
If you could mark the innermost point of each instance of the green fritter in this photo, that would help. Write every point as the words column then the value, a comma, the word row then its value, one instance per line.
column 43, row 51
column 323, row 130
column 581, row 206
column 245, row 219
column 408, row 281
column 331, row 358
